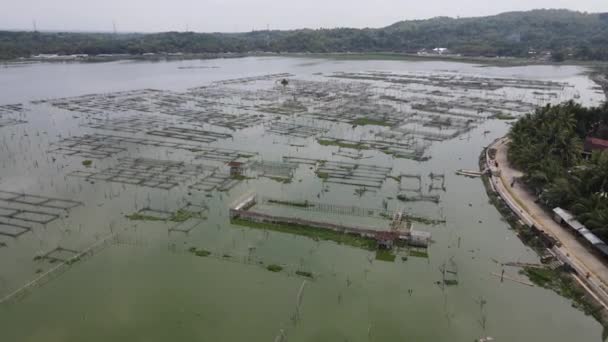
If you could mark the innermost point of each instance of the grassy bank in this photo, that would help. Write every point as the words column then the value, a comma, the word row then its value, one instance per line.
column 563, row 283
column 323, row 142
column 560, row 281
column 180, row 215
column 316, row 234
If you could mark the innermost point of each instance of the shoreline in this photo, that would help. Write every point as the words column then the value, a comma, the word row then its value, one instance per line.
column 534, row 234
column 371, row 55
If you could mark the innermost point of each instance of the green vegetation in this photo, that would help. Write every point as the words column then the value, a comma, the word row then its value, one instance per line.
column 240, row 177
column 274, row 268
column 199, row 252
column 322, row 175
column 142, row 217
column 503, row 116
column 317, row 234
column 280, row 180
column 304, row 274
column 73, row 261
column 340, row 143
column 395, row 178
column 547, row 146
column 424, row 220
column 87, row 163
column 385, row 255
column 567, row 34
column 558, row 280
column 304, row 204
column 180, row 215
column 183, row 215
column 366, row 121
column 416, row 253
column 563, row 284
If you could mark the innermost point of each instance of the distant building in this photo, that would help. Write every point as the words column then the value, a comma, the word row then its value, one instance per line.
column 595, row 144
column 441, row 51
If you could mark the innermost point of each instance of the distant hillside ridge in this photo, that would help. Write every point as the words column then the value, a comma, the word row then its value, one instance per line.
column 561, row 34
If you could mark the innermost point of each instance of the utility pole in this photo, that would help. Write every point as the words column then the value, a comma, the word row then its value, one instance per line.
column 34, row 25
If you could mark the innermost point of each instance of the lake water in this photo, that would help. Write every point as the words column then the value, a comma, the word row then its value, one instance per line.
column 146, row 286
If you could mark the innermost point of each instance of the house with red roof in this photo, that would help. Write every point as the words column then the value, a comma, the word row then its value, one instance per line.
column 595, row 144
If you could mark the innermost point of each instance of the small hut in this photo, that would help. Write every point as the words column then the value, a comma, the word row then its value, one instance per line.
column 385, row 240
column 236, row 168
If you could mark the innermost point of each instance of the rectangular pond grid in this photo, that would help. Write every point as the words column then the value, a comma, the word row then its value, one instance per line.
column 188, row 134
column 328, row 208
column 26, row 215
column 5, row 122
column 243, row 80
column 273, row 169
column 132, row 124
column 216, row 181
column 39, row 201
column 186, row 226
column 407, row 148
column 96, row 104
column 13, row 230
column 410, row 188
column 11, row 109
column 111, row 142
column 159, row 214
column 287, row 107
column 222, row 154
column 295, row 130
column 301, row 160
column 153, row 173
column 410, row 182
column 155, row 213
column 353, row 174
column 60, row 254
column 230, row 121
column 87, row 146
column 437, row 182
column 453, row 80
column 195, row 208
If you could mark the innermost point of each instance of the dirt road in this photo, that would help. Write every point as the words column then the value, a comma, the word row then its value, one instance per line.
column 583, row 260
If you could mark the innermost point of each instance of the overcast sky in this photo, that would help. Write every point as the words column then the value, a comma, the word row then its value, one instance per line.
column 245, row 15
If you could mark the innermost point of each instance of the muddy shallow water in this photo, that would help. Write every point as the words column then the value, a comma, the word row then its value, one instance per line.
column 146, row 286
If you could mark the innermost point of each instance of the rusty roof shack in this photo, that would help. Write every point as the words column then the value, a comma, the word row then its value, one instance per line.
column 386, row 240
column 236, row 168
column 595, row 144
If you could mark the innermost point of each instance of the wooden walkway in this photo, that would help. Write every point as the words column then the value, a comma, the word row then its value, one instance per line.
column 58, row 270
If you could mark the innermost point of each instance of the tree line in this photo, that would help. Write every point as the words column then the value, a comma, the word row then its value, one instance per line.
column 548, row 146
column 567, row 34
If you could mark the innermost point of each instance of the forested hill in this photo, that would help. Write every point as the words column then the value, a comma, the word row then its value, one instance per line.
column 566, row 34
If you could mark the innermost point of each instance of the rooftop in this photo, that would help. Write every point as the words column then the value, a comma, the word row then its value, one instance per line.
column 595, row 144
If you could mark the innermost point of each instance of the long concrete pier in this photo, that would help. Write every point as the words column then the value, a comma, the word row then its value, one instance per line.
column 242, row 210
